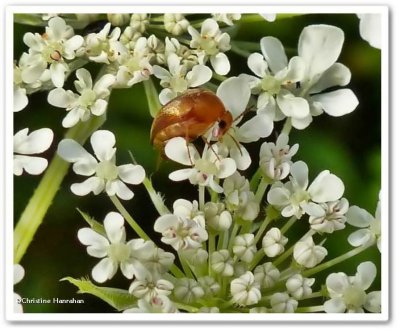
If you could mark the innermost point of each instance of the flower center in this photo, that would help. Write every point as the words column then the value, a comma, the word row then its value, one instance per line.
column 107, row 170
column 118, row 252
column 376, row 227
column 178, row 84
column 87, row 98
column 299, row 196
column 270, row 84
column 209, row 45
column 206, row 167
column 354, row 297
column 52, row 52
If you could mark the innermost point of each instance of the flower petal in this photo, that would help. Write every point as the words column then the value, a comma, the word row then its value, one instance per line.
column 120, row 189
column 335, row 305
column 199, row 75
column 278, row 196
column 59, row 97
column 37, row 141
column 359, row 217
column 103, row 142
column 241, row 157
column 220, row 63
column 57, row 71
column 20, row 99
column 71, row 151
column 371, row 29
column 320, row 47
column 259, row 126
column 99, row 107
column 373, row 302
column 360, row 237
column 326, row 187
column 32, row 165
column 257, row 64
column 97, row 244
column 365, row 276
column 299, row 171
column 114, row 227
column 235, row 94
column 104, row 270
column 166, row 95
column 132, row 174
column 181, row 174
column 336, row 75
column 292, row 106
column 274, row 53
column 92, row 184
column 338, row 102
column 177, row 149
column 226, row 168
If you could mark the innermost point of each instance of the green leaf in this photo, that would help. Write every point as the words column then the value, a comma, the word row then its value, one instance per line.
column 30, row 19
column 95, row 225
column 120, row 299
column 152, row 97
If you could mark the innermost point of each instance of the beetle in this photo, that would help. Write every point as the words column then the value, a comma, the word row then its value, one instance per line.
column 190, row 115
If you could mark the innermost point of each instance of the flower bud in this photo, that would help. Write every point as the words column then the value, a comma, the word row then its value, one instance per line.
column 222, row 263
column 188, row 290
column 266, row 275
column 306, row 253
column 245, row 290
column 299, row 287
column 273, row 242
column 118, row 19
column 282, row 302
column 244, row 248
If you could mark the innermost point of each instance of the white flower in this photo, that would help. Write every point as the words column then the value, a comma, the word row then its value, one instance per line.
column 239, row 198
column 134, row 67
column 104, row 174
column 187, row 55
column 104, row 47
column 299, row 287
column 20, row 100
column 159, row 262
column 217, row 218
column 26, row 145
column 178, row 78
column 210, row 287
column 118, row 19
column 275, row 159
column 282, row 302
column 187, row 290
column 370, row 227
column 222, row 263
column 51, row 50
column 175, row 24
column 205, row 170
column 139, row 22
column 244, row 247
column 266, row 275
column 227, row 18
column 274, row 242
column 147, row 286
column 235, row 94
column 371, row 29
column 307, row 254
column 184, row 229
column 295, row 89
column 245, row 290
column 114, row 250
column 195, row 256
column 209, row 310
column 327, row 217
column 156, row 50
column 348, row 294
column 292, row 197
column 92, row 99
column 19, row 274
column 211, row 44
column 157, row 304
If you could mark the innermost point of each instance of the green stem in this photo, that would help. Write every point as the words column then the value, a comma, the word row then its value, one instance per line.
column 235, row 230
column 336, row 260
column 288, row 224
column 262, row 228
column 255, row 180
column 186, row 307
column 32, row 217
column 185, row 266
column 287, row 127
column 152, row 97
column 155, row 197
column 201, row 197
column 135, row 226
column 262, row 187
column 316, row 308
column 250, row 46
column 257, row 258
column 239, row 51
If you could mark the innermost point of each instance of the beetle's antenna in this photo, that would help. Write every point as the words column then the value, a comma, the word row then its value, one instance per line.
column 247, row 110
column 236, row 143
column 211, row 147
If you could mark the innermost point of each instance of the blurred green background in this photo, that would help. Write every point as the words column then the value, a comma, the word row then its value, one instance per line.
column 349, row 146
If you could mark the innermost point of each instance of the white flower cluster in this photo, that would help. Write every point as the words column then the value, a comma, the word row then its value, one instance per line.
column 234, row 251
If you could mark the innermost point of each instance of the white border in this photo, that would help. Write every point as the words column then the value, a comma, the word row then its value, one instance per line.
column 383, row 10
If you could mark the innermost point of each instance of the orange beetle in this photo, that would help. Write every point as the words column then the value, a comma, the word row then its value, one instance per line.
column 190, row 116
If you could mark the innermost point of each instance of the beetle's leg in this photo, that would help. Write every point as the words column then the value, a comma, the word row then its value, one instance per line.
column 187, row 145
column 236, row 143
column 211, row 147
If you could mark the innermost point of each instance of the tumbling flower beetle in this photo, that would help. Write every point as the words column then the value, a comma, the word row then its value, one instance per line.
column 190, row 115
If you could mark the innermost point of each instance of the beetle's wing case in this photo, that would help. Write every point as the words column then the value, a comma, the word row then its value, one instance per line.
column 185, row 116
